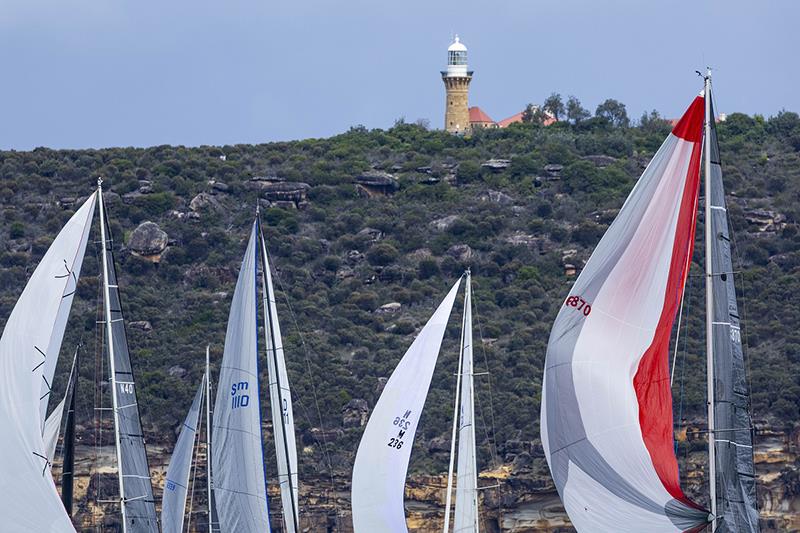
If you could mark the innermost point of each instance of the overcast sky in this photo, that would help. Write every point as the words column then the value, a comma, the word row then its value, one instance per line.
column 98, row 73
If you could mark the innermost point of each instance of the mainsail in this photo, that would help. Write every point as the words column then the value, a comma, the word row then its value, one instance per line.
column 29, row 499
column 280, row 401
column 136, row 491
column 379, row 472
column 736, row 487
column 606, row 418
column 173, row 504
column 236, row 453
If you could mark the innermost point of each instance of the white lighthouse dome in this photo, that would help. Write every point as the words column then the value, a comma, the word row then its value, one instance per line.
column 457, row 58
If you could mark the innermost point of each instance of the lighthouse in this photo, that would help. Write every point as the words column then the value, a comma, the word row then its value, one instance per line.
column 456, row 83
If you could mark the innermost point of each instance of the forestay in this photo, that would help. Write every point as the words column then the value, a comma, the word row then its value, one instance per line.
column 173, row 504
column 466, row 512
column 606, row 419
column 379, row 472
column 736, row 486
column 28, row 497
column 136, row 490
column 280, row 398
column 236, row 452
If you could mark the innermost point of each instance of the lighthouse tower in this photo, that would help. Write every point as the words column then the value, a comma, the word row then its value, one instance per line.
column 456, row 83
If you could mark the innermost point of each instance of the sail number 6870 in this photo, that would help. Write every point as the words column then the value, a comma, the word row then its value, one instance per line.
column 580, row 304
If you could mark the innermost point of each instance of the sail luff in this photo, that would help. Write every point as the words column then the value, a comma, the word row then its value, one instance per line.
column 454, row 437
column 466, row 513
column 176, row 485
column 68, row 464
column 379, row 471
column 237, row 455
column 733, row 451
column 712, row 478
column 136, row 490
column 54, row 422
column 212, row 520
column 280, row 401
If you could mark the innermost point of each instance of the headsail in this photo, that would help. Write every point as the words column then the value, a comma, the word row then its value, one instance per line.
column 736, row 486
column 136, row 491
column 280, row 402
column 52, row 426
column 28, row 497
column 173, row 503
column 379, row 472
column 236, row 452
column 606, row 418
column 466, row 513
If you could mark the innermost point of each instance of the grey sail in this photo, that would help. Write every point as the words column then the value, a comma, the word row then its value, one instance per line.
column 237, row 458
column 136, row 491
column 173, row 503
column 736, row 486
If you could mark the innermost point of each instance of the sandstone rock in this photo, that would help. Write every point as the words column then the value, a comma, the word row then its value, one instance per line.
column 177, row 371
column 445, row 222
column 377, row 182
column 148, row 240
column 354, row 256
column 439, row 444
column 461, row 252
column 286, row 191
column 553, row 169
column 372, row 234
column 355, row 414
column 496, row 165
column 497, row 197
column 143, row 325
column 203, row 201
column 389, row 309
column 218, row 186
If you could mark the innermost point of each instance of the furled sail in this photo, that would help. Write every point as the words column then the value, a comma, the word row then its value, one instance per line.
column 136, row 489
column 280, row 402
column 379, row 472
column 606, row 418
column 736, row 484
column 28, row 497
column 236, row 453
column 173, row 504
column 466, row 513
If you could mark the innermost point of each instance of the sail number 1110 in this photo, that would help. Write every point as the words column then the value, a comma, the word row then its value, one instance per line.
column 580, row 304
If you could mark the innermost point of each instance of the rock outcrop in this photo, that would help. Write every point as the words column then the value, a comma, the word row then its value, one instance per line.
column 148, row 241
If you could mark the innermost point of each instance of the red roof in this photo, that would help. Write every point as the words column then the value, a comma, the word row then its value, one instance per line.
column 477, row 115
column 518, row 118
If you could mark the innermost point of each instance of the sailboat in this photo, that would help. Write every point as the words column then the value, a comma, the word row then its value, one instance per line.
column 381, row 464
column 606, row 413
column 237, row 459
column 29, row 349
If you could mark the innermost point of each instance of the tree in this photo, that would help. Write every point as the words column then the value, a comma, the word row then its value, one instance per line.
column 576, row 113
column 554, row 105
column 653, row 123
column 613, row 111
column 533, row 114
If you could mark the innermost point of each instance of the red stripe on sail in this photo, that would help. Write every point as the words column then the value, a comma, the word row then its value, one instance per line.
column 651, row 381
column 690, row 126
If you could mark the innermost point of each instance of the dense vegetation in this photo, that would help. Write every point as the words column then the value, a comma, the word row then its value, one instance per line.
column 522, row 225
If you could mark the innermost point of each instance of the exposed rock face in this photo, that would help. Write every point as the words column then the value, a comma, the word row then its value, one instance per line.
column 389, row 309
column 497, row 165
column 765, row 220
column 371, row 234
column 461, row 252
column 149, row 241
column 377, row 183
column 355, row 414
column 143, row 325
column 497, row 197
column 286, row 191
column 445, row 222
column 553, row 169
column 203, row 201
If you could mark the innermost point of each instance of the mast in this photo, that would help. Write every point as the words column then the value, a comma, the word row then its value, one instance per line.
column 110, row 344
column 272, row 346
column 68, row 467
column 712, row 467
column 208, row 440
column 448, row 496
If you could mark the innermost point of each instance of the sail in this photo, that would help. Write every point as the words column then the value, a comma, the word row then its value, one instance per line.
column 136, row 489
column 280, row 398
column 28, row 497
column 173, row 503
column 379, row 472
column 236, row 452
column 736, row 485
column 52, row 426
column 466, row 512
column 606, row 415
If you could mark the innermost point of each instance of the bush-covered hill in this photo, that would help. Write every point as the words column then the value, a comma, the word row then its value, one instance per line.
column 349, row 249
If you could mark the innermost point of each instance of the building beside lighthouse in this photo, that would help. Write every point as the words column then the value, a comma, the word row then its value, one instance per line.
column 459, row 117
column 456, row 83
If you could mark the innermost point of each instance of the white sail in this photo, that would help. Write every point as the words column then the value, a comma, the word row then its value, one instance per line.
column 52, row 427
column 466, row 513
column 236, row 452
column 28, row 497
column 173, row 504
column 379, row 472
column 281, row 403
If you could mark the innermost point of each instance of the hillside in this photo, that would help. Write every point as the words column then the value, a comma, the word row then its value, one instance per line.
column 369, row 218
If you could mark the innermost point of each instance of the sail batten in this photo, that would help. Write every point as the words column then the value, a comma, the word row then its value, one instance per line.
column 606, row 415
column 381, row 463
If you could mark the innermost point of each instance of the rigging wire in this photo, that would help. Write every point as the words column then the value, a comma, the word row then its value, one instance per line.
column 307, row 358
column 196, row 460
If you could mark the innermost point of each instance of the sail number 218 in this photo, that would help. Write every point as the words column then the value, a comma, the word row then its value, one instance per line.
column 580, row 304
